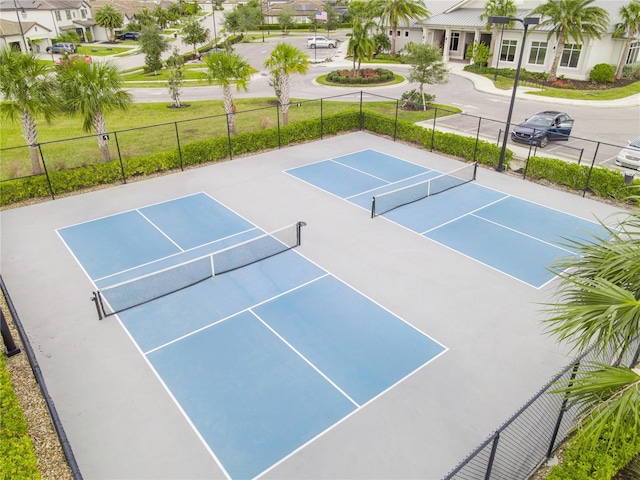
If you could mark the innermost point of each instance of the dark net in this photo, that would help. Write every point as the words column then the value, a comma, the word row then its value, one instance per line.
column 387, row 201
column 146, row 288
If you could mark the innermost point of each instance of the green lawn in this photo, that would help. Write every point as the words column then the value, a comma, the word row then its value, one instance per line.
column 99, row 51
column 152, row 129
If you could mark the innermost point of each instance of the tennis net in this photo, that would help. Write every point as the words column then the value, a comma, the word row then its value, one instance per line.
column 388, row 201
column 140, row 290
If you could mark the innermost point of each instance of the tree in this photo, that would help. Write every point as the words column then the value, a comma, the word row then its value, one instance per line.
column 144, row 18
column 392, row 12
column 628, row 26
column 286, row 60
column 286, row 18
column 194, row 33
column 152, row 44
column 427, row 66
column 570, row 20
column 176, row 76
column 27, row 92
column 93, row 90
column 361, row 45
column 597, row 306
column 244, row 17
column 161, row 15
column 226, row 68
column 358, row 11
column 383, row 44
column 497, row 8
column 109, row 18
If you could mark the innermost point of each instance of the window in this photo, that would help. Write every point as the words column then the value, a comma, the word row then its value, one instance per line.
column 538, row 53
column 508, row 50
column 83, row 12
column 398, row 33
column 455, row 40
column 634, row 52
column 68, row 12
column 391, row 33
column 570, row 55
column 406, row 34
column 58, row 16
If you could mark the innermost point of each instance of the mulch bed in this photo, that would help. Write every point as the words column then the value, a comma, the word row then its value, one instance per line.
column 587, row 85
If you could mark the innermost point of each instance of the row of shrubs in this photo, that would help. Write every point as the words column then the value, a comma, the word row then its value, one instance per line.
column 525, row 75
column 603, row 182
column 364, row 76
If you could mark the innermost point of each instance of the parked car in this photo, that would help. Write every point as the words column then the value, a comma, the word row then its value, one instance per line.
column 62, row 47
column 630, row 156
column 317, row 42
column 542, row 127
column 129, row 36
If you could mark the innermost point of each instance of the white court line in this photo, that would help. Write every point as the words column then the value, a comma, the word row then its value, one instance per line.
column 159, row 229
column 470, row 212
column 305, row 359
column 248, row 309
column 359, row 171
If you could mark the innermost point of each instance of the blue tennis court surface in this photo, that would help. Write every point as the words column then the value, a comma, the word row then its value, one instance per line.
column 261, row 359
column 516, row 237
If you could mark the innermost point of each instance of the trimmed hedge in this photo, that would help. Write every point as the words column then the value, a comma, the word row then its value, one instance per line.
column 17, row 456
column 603, row 182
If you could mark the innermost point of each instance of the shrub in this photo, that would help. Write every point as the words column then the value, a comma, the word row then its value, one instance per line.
column 631, row 71
column 602, row 73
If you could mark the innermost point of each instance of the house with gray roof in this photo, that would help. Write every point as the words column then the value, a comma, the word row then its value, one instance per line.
column 455, row 24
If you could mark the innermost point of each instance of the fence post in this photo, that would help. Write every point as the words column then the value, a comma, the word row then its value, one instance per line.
column 433, row 130
column 278, row 118
column 321, row 121
column 580, row 157
column 124, row 176
column 7, row 338
column 492, row 456
column 395, row 124
column 586, row 185
column 46, row 172
column 179, row 149
column 475, row 148
column 360, row 110
column 562, row 410
column 229, row 138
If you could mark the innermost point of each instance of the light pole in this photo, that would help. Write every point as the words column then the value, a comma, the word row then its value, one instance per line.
column 525, row 23
column 24, row 41
column 263, row 18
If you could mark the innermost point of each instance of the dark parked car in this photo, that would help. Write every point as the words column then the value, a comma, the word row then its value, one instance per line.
column 62, row 47
column 129, row 36
column 542, row 127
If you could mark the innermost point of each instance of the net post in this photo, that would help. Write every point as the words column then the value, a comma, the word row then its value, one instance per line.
column 95, row 298
column 299, row 226
column 373, row 207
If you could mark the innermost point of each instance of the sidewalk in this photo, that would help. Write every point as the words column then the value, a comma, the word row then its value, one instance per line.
column 483, row 84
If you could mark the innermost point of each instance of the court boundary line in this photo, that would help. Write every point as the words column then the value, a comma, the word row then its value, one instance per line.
column 305, row 359
column 357, row 170
column 160, row 230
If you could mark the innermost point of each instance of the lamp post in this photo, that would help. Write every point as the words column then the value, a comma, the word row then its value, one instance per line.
column 24, row 41
column 525, row 23
column 263, row 18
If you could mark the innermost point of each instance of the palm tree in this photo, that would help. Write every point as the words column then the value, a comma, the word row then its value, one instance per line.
column 497, row 8
column 630, row 26
column 284, row 61
column 28, row 92
column 93, row 90
column 361, row 45
column 597, row 307
column 226, row 68
column 570, row 20
column 109, row 18
column 392, row 12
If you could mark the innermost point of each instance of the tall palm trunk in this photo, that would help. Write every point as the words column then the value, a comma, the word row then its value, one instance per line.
column 30, row 134
column 556, row 59
column 495, row 31
column 625, row 53
column 394, row 27
column 100, row 127
column 284, row 98
column 227, row 100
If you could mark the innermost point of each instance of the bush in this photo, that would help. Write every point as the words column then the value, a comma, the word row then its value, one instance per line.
column 600, row 463
column 631, row 71
column 17, row 456
column 602, row 73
